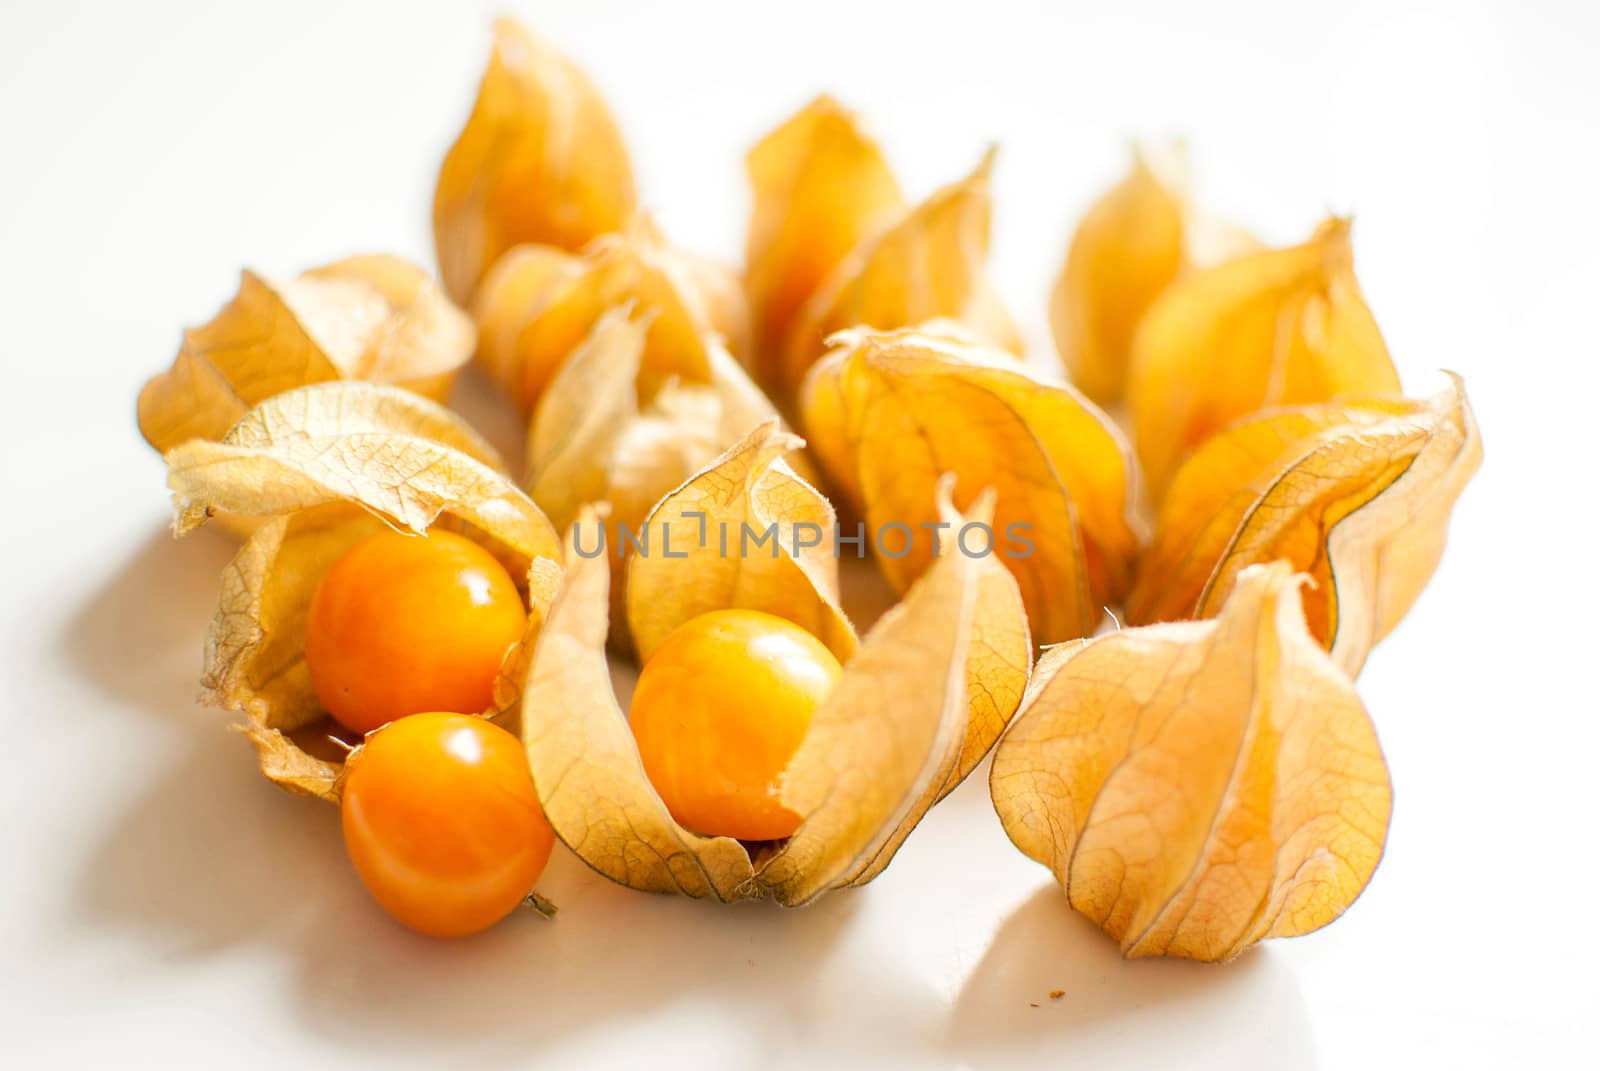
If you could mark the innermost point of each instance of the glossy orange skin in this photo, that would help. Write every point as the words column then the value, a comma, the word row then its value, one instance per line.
column 720, row 709
column 442, row 823
column 403, row 624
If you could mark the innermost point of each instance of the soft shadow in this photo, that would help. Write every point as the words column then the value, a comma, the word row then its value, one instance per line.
column 140, row 638
column 210, row 856
column 1169, row 1012
column 611, row 956
column 212, row 859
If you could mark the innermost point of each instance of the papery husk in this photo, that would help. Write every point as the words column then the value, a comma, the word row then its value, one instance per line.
column 889, row 412
column 1198, row 787
column 597, row 436
column 325, row 467
column 752, row 484
column 540, row 160
column 255, row 650
column 1357, row 496
column 274, row 466
column 1281, row 327
column 927, row 264
column 881, row 748
column 375, row 318
column 539, row 304
column 819, row 186
column 1139, row 237
column 701, row 559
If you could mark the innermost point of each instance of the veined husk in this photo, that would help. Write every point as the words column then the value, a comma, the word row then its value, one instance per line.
column 1358, row 496
column 375, row 318
column 889, row 412
column 1281, row 327
column 540, row 302
column 326, row 466
column 712, row 567
column 600, row 435
column 1139, row 237
column 1200, row 786
column 540, row 160
column 900, row 729
column 700, row 558
column 819, row 185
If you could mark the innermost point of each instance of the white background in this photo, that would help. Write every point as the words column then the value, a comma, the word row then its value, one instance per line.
column 162, row 905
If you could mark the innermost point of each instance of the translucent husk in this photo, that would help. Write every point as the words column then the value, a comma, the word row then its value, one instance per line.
column 539, row 304
column 1200, row 786
column 1280, row 327
column 373, row 318
column 1138, row 238
column 540, row 160
column 820, row 186
column 1356, row 495
column 600, row 436
column 904, row 725
column 930, row 264
column 832, row 245
column 888, row 412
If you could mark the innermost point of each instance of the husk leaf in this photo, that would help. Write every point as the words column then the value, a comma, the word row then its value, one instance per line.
column 889, row 412
column 325, row 467
column 376, row 318
column 1200, row 786
column 540, row 161
column 539, row 303
column 1281, row 327
column 273, row 467
column 1358, row 496
column 1139, row 237
column 881, row 749
column 819, row 186
column 596, row 438
column 702, row 525
column 929, row 263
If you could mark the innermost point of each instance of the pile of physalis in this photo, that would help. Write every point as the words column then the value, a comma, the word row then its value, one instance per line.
column 415, row 634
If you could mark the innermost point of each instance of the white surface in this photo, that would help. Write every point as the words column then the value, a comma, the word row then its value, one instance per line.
column 162, row 904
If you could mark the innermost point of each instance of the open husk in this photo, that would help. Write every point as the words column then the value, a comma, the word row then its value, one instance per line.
column 540, row 302
column 374, row 318
column 540, row 160
column 1358, row 496
column 894, row 735
column 889, row 412
column 325, row 467
column 1139, row 237
column 1280, row 327
column 1197, row 787
column 748, row 533
column 599, row 434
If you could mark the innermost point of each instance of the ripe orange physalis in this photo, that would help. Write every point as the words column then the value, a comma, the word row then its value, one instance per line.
column 442, row 823
column 720, row 709
column 403, row 624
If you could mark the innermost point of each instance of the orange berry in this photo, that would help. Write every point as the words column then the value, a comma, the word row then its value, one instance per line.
column 720, row 709
column 442, row 823
column 403, row 624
